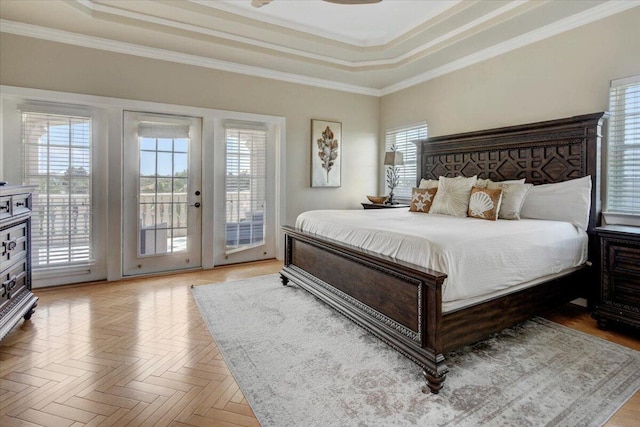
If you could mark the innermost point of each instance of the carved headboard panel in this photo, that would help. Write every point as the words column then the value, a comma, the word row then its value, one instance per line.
column 543, row 152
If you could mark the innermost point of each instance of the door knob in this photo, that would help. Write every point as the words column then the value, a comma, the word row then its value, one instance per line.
column 196, row 204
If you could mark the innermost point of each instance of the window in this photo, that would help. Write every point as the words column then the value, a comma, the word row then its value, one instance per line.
column 245, row 192
column 57, row 160
column 402, row 140
column 623, row 154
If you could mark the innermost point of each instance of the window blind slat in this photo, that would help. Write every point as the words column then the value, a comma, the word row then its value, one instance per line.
column 402, row 139
column 623, row 161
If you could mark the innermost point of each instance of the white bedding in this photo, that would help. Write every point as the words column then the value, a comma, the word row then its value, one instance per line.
column 479, row 257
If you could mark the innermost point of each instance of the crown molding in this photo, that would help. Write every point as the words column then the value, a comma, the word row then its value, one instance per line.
column 596, row 13
column 43, row 33
column 354, row 42
column 89, row 5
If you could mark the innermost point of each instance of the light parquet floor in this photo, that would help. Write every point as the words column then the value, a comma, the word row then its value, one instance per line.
column 137, row 352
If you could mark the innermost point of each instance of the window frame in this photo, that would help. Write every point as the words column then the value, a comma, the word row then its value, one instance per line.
column 615, row 138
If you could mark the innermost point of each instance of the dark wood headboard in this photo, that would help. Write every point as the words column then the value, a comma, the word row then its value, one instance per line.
column 542, row 153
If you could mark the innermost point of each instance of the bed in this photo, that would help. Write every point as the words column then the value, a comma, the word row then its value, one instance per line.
column 401, row 302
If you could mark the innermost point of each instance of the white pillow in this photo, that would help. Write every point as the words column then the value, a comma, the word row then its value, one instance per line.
column 568, row 201
column 513, row 196
column 452, row 197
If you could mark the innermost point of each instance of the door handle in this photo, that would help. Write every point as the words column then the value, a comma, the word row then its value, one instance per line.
column 196, row 204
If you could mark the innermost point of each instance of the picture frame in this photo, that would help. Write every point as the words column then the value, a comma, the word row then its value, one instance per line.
column 326, row 153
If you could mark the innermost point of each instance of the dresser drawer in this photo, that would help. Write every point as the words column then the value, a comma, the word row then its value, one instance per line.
column 20, row 204
column 624, row 289
column 12, row 281
column 624, row 259
column 5, row 207
column 14, row 244
column 14, row 205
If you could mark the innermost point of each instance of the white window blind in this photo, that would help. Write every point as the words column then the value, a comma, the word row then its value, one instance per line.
column 246, row 150
column 57, row 159
column 402, row 139
column 623, row 154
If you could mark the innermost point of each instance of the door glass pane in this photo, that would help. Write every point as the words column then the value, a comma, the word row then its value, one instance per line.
column 162, row 196
column 245, row 196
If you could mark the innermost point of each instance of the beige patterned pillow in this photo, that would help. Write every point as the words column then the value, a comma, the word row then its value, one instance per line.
column 428, row 183
column 452, row 197
column 484, row 183
column 421, row 199
column 485, row 203
column 513, row 196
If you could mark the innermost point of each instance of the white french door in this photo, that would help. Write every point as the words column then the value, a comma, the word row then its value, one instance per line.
column 245, row 194
column 162, row 218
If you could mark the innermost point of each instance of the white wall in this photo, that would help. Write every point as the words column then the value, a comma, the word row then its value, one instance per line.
column 564, row 75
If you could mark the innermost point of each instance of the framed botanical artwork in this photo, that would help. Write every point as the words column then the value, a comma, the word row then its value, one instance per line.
column 326, row 153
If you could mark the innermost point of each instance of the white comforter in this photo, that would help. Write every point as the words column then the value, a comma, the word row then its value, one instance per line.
column 479, row 257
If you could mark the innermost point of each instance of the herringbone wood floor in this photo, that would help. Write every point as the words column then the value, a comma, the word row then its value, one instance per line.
column 137, row 352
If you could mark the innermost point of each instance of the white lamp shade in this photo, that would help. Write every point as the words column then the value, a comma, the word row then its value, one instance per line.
column 393, row 158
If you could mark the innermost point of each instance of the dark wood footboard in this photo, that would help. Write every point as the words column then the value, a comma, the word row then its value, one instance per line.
column 399, row 303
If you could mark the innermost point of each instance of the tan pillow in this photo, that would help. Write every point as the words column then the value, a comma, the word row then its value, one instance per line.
column 513, row 196
column 452, row 197
column 485, row 203
column 484, row 183
column 428, row 183
column 421, row 199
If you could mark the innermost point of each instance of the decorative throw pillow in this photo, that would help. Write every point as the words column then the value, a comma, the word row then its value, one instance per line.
column 428, row 183
column 484, row 183
column 452, row 197
column 421, row 199
column 513, row 196
column 485, row 203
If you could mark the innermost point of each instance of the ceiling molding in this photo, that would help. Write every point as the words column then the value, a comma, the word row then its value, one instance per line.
column 43, row 33
column 257, row 16
column 593, row 14
column 567, row 24
column 88, row 6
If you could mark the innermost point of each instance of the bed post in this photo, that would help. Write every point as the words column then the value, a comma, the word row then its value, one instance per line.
column 435, row 372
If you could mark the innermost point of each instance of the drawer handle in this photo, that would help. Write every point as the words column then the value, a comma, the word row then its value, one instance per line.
column 4, row 207
column 7, row 286
column 9, row 245
column 20, row 204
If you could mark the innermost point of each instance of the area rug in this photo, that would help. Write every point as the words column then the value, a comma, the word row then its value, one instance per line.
column 300, row 363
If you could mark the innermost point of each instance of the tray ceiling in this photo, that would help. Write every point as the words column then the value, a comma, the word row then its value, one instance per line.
column 371, row 48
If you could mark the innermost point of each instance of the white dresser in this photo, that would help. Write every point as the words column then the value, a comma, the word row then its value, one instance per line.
column 16, row 299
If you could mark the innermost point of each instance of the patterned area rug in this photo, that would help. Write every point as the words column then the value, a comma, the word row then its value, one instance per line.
column 300, row 363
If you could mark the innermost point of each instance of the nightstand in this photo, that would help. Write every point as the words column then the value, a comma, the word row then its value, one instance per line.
column 619, row 292
column 382, row 206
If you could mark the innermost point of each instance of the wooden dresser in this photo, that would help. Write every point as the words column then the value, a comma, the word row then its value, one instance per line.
column 16, row 299
column 619, row 293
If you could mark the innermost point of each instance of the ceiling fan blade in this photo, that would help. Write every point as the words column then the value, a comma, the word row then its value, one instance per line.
column 259, row 3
